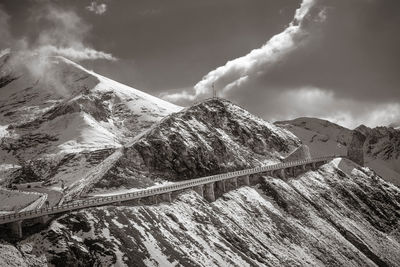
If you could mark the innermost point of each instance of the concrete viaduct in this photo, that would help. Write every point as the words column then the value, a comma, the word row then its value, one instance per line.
column 209, row 187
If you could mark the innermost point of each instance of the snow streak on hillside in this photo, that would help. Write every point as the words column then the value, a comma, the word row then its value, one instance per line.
column 90, row 112
column 212, row 137
column 339, row 215
column 58, row 124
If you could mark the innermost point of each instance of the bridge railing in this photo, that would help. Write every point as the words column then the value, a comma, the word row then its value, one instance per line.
column 98, row 201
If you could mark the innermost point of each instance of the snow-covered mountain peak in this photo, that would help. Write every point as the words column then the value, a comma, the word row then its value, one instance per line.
column 61, row 108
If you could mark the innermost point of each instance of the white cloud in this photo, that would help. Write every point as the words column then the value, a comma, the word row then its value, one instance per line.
column 4, row 51
column 240, row 70
column 96, row 8
column 383, row 114
column 64, row 36
column 324, row 104
column 241, row 79
column 75, row 53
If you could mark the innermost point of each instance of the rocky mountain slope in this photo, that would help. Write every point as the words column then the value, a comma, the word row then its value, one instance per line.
column 339, row 215
column 214, row 136
column 381, row 148
column 382, row 151
column 72, row 129
column 319, row 135
column 75, row 125
column 57, row 119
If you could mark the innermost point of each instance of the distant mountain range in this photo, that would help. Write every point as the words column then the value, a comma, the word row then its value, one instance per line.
column 381, row 148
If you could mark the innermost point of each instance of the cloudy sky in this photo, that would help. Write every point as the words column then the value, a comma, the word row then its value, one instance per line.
column 280, row 59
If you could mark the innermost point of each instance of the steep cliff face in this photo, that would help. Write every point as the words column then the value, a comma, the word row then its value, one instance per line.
column 382, row 152
column 381, row 149
column 339, row 215
column 382, row 142
column 355, row 150
column 212, row 137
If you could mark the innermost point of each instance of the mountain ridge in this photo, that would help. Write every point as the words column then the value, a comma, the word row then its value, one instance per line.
column 339, row 214
column 381, row 148
column 211, row 137
column 86, row 113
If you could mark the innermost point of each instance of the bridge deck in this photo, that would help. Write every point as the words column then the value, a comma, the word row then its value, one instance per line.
column 101, row 201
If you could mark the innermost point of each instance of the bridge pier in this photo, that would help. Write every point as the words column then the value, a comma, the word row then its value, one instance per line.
column 209, row 192
column 281, row 173
column 254, row 179
column 199, row 190
column 234, row 182
column 44, row 219
column 155, row 199
column 294, row 171
column 231, row 184
column 291, row 171
column 166, row 197
column 300, row 169
column 16, row 228
column 246, row 180
column 314, row 166
column 220, row 188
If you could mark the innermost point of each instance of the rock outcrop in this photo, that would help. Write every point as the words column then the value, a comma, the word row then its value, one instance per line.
column 355, row 151
column 212, row 137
